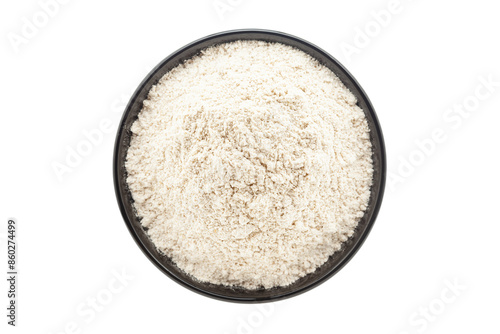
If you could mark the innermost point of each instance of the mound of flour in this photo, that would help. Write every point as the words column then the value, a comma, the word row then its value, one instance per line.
column 250, row 164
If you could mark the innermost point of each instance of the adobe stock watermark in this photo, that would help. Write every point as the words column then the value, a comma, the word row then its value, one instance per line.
column 222, row 7
column 420, row 320
column 32, row 25
column 88, row 310
column 90, row 140
column 453, row 118
column 364, row 35
column 253, row 320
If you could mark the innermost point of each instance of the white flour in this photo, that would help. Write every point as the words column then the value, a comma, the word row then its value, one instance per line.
column 250, row 164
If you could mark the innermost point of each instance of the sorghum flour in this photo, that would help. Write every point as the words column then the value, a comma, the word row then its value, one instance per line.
column 250, row 164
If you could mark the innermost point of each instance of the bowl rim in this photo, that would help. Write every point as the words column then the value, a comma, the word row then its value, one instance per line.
column 362, row 237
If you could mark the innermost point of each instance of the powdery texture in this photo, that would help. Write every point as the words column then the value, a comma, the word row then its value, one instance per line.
column 250, row 164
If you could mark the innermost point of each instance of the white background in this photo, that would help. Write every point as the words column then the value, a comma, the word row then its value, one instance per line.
column 438, row 224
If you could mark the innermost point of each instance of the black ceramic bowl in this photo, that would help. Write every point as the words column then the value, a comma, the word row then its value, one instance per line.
column 125, row 201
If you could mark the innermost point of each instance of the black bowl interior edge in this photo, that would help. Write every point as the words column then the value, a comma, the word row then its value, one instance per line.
column 335, row 262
